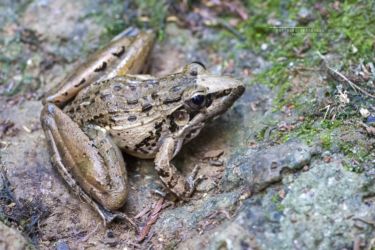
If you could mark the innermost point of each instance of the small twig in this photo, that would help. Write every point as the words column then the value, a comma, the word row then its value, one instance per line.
column 151, row 220
column 352, row 84
column 221, row 211
column 143, row 212
column 327, row 108
column 84, row 239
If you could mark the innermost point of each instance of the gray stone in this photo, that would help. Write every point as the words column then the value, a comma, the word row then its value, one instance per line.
column 257, row 169
column 326, row 207
column 12, row 239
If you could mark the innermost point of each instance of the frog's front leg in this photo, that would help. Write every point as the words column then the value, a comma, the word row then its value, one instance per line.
column 182, row 187
column 90, row 163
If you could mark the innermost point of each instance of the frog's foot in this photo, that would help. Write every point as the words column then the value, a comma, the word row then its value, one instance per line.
column 194, row 180
column 182, row 187
column 109, row 217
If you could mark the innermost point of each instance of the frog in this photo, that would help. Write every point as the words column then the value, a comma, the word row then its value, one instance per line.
column 108, row 108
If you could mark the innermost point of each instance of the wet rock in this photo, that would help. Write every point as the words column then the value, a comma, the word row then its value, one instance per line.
column 181, row 223
column 62, row 245
column 324, row 208
column 370, row 119
column 249, row 223
column 258, row 169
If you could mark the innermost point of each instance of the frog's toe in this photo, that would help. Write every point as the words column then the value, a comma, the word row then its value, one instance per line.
column 109, row 217
column 193, row 181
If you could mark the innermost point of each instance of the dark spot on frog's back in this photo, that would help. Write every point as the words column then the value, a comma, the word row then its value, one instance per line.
column 146, row 107
column 132, row 101
column 117, row 87
column 132, row 118
column 101, row 67
column 154, row 95
column 158, row 125
column 119, row 51
column 80, row 83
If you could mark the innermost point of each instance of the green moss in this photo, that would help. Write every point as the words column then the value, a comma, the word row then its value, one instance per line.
column 355, row 152
column 280, row 99
column 355, row 168
column 351, row 24
column 312, row 131
column 328, row 135
column 340, row 29
column 326, row 140
column 273, row 76
column 116, row 16
column 280, row 207
column 276, row 200
column 307, row 132
column 355, row 22
column 156, row 11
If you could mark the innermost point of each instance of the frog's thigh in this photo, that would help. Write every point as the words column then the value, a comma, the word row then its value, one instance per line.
column 124, row 55
column 168, row 173
column 96, row 164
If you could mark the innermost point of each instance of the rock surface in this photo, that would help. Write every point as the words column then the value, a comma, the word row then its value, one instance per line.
column 258, row 169
column 11, row 239
column 257, row 194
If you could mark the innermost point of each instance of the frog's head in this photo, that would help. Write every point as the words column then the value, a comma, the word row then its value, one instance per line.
column 204, row 97
column 210, row 94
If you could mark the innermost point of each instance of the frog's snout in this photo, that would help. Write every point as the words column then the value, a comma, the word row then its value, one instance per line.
column 220, row 83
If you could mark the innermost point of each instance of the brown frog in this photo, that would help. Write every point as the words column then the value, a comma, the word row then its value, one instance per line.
column 104, row 107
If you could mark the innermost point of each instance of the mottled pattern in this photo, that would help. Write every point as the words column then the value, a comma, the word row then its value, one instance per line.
column 137, row 112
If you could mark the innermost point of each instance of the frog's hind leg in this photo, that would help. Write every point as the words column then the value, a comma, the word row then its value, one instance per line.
column 92, row 167
column 125, row 54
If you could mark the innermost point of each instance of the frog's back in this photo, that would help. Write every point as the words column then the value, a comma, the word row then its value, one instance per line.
column 134, row 112
column 101, row 102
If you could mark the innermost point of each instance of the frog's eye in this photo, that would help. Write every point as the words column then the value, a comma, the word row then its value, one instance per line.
column 198, row 100
column 196, row 68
